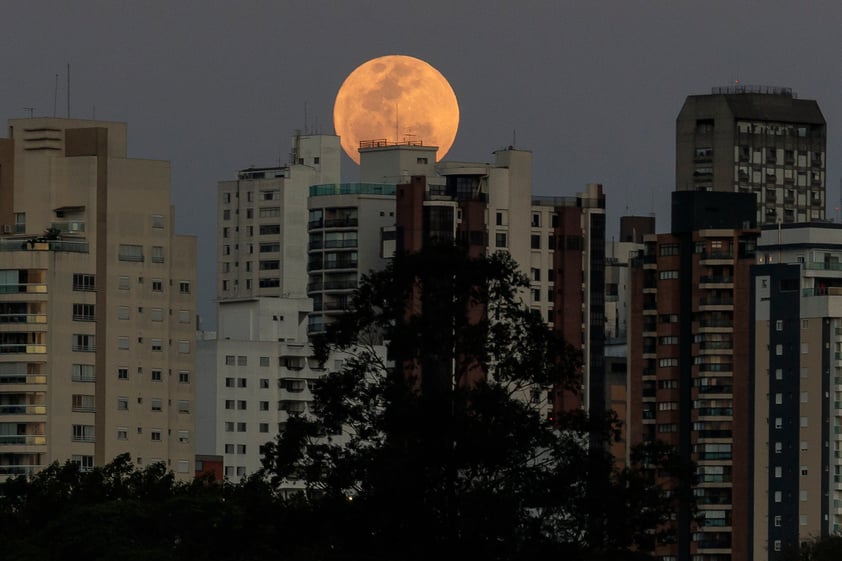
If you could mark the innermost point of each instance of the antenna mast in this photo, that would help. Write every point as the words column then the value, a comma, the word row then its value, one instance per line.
column 55, row 97
column 68, row 90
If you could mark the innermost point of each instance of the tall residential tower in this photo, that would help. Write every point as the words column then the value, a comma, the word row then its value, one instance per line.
column 97, row 306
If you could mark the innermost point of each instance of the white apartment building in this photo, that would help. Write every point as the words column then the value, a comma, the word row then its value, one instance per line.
column 97, row 308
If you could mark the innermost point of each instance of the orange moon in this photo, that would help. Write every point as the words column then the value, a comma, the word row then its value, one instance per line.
column 396, row 98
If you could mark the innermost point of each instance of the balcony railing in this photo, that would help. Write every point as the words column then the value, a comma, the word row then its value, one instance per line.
column 23, row 410
column 22, row 439
column 23, row 318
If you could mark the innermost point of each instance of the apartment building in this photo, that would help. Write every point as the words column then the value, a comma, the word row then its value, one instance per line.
column 690, row 364
column 97, row 303
column 796, row 336
column 755, row 139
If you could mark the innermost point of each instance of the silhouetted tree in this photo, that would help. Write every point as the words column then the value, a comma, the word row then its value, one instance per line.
column 437, row 448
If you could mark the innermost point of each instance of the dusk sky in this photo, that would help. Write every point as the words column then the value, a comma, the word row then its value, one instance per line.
column 591, row 88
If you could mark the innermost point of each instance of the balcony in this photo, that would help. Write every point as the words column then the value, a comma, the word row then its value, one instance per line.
column 341, row 223
column 23, row 318
column 23, row 409
column 23, row 439
column 23, row 348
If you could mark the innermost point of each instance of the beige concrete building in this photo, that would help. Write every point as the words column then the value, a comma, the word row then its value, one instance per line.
column 797, row 335
column 97, row 302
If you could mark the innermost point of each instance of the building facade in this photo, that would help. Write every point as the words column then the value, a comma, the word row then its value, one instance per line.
column 797, row 322
column 690, row 364
column 759, row 140
column 97, row 329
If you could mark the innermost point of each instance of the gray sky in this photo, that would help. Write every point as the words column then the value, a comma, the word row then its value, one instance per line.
column 591, row 87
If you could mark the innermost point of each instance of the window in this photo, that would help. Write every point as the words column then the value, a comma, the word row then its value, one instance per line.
column 778, row 496
column 536, row 220
column 183, row 466
column 226, row 214
column 157, row 285
column 123, row 312
column 241, row 470
column 804, row 470
column 242, row 405
column 122, row 373
column 122, row 433
column 128, row 252
column 242, row 382
column 264, row 406
column 157, row 345
column 264, row 361
column 158, row 221
column 83, row 282
column 230, row 360
column 535, row 241
column 156, row 375
column 264, row 383
column 122, row 404
column 269, row 229
column 779, row 422
column 804, row 397
column 157, row 254
column 802, row 519
column 802, row 495
column 156, row 404
column 123, row 343
column 803, row 422
column 184, row 436
column 669, row 249
column 229, row 382
column 184, row 287
column 779, row 325
column 263, row 427
column 419, row 161
column 155, row 435
column 500, row 239
column 84, row 343
column 184, row 347
column 83, row 312
column 83, row 403
column 779, row 447
column 183, row 377
column 667, row 362
column 269, row 212
column 83, row 373
column 668, row 275
column 778, row 471
column 123, row 283
column 777, row 521
column 779, row 399
column 82, row 433
column 776, row 545
column 184, row 316
column 156, row 314
column 241, row 427
column 241, row 448
column 536, row 295
column 183, row 406
column 85, row 463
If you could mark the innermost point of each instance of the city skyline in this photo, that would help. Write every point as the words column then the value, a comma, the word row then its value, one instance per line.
column 592, row 92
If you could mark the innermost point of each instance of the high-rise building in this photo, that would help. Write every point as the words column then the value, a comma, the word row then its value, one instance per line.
column 262, row 222
column 690, row 364
column 759, row 140
column 618, row 255
column 257, row 369
column 796, row 339
column 97, row 305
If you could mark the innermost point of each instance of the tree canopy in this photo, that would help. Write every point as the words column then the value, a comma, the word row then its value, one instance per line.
column 441, row 445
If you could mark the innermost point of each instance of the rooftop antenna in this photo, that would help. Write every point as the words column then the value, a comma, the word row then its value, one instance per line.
column 305, row 118
column 514, row 138
column 31, row 111
column 68, row 90
column 55, row 97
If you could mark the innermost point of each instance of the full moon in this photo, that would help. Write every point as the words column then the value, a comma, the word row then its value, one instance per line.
column 396, row 99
